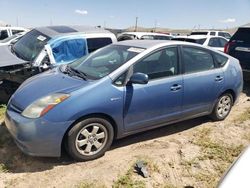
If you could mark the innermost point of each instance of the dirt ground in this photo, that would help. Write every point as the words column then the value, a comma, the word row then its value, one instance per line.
column 193, row 153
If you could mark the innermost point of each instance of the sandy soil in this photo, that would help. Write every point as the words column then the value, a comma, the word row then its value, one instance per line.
column 191, row 153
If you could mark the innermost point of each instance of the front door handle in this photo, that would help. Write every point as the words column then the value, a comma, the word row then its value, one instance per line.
column 218, row 78
column 175, row 87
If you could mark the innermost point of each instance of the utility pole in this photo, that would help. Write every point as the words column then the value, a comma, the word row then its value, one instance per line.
column 136, row 22
column 155, row 25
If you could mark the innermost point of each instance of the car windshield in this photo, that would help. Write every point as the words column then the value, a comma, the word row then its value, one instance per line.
column 30, row 45
column 104, row 61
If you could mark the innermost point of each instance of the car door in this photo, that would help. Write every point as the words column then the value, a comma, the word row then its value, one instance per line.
column 158, row 101
column 203, row 81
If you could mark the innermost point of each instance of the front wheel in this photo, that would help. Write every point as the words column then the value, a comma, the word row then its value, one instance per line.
column 90, row 139
column 222, row 107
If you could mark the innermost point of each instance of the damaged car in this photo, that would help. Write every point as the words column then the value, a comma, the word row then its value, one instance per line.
column 44, row 48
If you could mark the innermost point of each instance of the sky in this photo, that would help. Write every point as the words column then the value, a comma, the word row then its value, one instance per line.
column 175, row 14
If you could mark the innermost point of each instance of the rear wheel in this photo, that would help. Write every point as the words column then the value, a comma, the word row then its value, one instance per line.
column 90, row 139
column 222, row 107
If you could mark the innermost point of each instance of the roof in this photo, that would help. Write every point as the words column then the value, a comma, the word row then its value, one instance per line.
column 147, row 43
column 53, row 31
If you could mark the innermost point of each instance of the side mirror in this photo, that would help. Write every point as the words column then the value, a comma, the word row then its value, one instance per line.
column 138, row 78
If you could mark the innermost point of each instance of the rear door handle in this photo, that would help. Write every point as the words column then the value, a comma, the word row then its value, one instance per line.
column 175, row 87
column 218, row 78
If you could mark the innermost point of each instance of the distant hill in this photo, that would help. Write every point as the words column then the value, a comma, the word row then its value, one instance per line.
column 178, row 31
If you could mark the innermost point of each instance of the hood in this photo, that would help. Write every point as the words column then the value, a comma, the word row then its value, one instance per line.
column 49, row 82
column 8, row 58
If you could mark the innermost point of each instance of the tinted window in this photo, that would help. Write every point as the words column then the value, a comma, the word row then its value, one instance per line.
column 16, row 31
column 226, row 35
column 159, row 64
column 212, row 33
column 196, row 60
column 3, row 34
column 223, row 42
column 96, row 43
column 126, row 37
column 199, row 33
column 220, row 59
column 214, row 42
column 197, row 41
column 67, row 51
column 243, row 34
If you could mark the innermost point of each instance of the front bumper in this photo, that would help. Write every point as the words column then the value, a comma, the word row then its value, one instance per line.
column 36, row 137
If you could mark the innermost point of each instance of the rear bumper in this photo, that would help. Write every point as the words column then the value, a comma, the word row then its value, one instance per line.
column 36, row 137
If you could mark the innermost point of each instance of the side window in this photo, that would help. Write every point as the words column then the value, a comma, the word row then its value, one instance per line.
column 69, row 50
column 223, row 42
column 160, row 64
column 214, row 42
column 212, row 33
column 196, row 60
column 16, row 31
column 3, row 34
column 220, row 59
column 96, row 43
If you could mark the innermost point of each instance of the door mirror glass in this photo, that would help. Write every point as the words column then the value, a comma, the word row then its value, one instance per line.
column 138, row 78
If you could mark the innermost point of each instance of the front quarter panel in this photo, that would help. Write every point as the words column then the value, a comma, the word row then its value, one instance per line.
column 101, row 97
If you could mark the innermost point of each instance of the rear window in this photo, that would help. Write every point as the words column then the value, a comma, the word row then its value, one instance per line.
column 197, row 41
column 199, row 33
column 96, row 43
column 243, row 34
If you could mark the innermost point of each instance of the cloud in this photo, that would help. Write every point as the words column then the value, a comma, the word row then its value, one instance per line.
column 228, row 20
column 82, row 12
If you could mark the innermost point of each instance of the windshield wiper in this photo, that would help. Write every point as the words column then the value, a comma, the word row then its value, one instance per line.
column 74, row 72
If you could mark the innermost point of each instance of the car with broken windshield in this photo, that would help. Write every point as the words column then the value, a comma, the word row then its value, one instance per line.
column 44, row 48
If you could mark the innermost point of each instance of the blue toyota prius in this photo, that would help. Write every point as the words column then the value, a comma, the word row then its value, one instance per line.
column 121, row 89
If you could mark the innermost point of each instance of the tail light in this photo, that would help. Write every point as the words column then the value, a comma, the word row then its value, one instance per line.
column 227, row 46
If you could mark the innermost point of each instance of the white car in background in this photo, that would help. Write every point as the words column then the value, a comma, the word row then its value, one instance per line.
column 213, row 33
column 6, row 32
column 217, row 43
column 12, row 39
column 143, row 36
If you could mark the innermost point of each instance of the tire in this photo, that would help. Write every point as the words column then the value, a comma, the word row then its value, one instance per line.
column 89, row 139
column 222, row 107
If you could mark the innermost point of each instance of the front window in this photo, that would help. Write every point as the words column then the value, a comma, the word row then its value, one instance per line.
column 105, row 61
column 163, row 63
column 30, row 45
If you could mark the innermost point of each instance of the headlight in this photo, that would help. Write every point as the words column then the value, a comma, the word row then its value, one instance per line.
column 43, row 105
